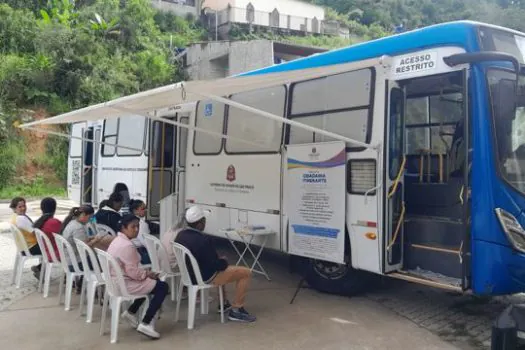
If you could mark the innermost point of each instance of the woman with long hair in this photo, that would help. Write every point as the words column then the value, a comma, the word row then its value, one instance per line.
column 138, row 281
column 47, row 223
column 25, row 225
column 75, row 226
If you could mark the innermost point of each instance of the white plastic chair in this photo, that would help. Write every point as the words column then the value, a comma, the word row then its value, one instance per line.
column 160, row 262
column 22, row 255
column 49, row 261
column 93, row 278
column 116, row 292
column 181, row 253
column 67, row 255
column 105, row 230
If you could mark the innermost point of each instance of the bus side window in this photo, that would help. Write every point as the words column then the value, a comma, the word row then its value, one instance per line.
column 340, row 103
column 210, row 117
column 131, row 132
column 75, row 145
column 109, row 136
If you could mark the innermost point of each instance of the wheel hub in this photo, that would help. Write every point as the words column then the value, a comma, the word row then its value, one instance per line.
column 329, row 270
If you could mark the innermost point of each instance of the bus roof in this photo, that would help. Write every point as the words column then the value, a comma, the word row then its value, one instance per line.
column 461, row 33
column 458, row 33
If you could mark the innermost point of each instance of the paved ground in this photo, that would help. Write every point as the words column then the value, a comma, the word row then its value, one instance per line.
column 397, row 315
column 314, row 321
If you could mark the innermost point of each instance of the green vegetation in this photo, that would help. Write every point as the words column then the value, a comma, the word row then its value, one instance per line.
column 59, row 55
column 411, row 14
column 32, row 188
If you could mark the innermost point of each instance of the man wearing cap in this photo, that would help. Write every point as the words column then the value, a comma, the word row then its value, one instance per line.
column 214, row 270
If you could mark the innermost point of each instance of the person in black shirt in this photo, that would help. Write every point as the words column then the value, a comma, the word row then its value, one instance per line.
column 214, row 270
column 109, row 214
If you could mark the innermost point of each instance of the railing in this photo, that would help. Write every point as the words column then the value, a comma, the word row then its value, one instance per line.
column 273, row 20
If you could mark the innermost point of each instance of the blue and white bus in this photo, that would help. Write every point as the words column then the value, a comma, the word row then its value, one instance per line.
column 434, row 125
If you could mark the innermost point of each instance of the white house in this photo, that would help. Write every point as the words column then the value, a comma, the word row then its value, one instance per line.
column 291, row 15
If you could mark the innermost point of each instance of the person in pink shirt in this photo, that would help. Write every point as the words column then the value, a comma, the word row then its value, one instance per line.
column 137, row 280
column 47, row 223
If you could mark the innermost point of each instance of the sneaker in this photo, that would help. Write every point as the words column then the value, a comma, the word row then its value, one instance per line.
column 132, row 319
column 148, row 331
column 37, row 275
column 227, row 307
column 241, row 315
column 35, row 269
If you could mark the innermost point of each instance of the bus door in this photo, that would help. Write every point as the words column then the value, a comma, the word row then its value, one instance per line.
column 87, row 166
column 182, row 143
column 393, row 191
column 162, row 164
column 95, row 171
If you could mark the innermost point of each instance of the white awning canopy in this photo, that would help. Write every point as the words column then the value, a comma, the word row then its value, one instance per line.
column 176, row 94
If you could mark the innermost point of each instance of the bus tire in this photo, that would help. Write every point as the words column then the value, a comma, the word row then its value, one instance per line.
column 339, row 279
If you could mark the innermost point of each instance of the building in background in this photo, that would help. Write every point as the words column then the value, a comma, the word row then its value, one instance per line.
column 285, row 16
column 179, row 7
column 219, row 59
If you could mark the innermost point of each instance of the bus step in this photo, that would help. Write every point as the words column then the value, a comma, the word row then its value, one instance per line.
column 443, row 260
column 435, row 281
column 433, row 231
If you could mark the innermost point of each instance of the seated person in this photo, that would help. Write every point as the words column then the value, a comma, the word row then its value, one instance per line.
column 169, row 237
column 138, row 208
column 75, row 226
column 214, row 270
column 122, row 189
column 25, row 225
column 48, row 224
column 109, row 214
column 137, row 280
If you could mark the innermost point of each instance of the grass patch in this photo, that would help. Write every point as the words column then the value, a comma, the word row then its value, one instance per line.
column 31, row 189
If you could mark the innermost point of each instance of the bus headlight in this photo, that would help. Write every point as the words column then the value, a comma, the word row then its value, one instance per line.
column 513, row 229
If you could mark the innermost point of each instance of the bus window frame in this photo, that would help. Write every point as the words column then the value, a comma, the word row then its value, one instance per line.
column 493, row 137
column 369, row 107
column 227, row 116
column 104, row 137
column 143, row 141
column 71, row 144
column 430, row 124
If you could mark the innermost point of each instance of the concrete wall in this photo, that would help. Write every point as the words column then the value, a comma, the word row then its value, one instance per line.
column 224, row 58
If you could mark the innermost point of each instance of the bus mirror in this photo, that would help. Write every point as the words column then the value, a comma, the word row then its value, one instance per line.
column 506, row 99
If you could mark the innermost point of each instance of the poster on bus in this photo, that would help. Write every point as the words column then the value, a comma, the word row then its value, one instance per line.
column 316, row 191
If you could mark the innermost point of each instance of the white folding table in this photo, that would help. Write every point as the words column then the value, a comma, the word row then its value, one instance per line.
column 247, row 235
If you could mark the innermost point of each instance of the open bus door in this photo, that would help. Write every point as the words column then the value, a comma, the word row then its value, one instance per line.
column 87, row 179
column 166, row 165
column 393, row 193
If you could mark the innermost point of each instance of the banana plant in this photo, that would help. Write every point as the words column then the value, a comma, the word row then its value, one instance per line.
column 100, row 26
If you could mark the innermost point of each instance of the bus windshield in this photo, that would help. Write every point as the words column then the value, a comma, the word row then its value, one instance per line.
column 509, row 132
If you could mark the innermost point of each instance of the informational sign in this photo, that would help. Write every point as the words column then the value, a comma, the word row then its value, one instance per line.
column 416, row 62
column 316, row 200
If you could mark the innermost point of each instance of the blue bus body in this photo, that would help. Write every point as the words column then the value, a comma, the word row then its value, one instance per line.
column 495, row 267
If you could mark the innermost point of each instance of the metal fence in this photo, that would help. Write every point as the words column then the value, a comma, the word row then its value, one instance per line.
column 273, row 20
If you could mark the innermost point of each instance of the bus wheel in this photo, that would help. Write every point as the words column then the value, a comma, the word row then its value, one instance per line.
column 333, row 278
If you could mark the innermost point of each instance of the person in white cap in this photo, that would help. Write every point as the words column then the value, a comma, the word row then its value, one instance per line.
column 215, row 270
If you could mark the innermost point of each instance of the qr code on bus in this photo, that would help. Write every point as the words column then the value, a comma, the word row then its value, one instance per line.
column 75, row 172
